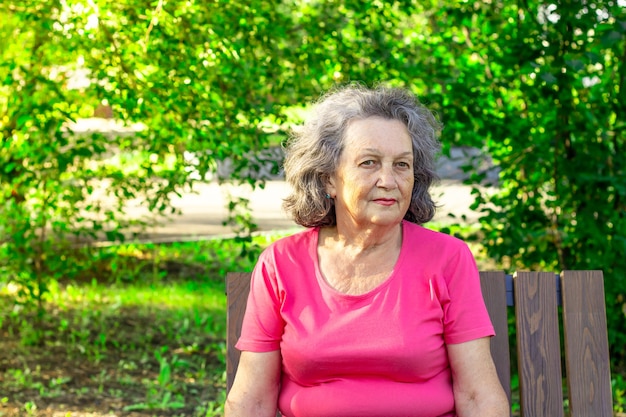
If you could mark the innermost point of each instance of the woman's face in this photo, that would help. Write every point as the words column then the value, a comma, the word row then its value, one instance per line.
column 374, row 180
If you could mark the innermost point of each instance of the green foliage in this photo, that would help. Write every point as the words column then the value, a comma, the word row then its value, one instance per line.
column 61, row 63
column 540, row 87
column 618, row 385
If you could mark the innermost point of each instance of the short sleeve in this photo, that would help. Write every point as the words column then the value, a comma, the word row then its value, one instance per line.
column 465, row 315
column 263, row 325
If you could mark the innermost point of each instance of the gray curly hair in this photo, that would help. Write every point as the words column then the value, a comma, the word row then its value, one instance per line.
column 314, row 149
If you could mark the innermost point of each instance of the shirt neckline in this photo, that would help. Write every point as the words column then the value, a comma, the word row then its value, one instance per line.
column 325, row 286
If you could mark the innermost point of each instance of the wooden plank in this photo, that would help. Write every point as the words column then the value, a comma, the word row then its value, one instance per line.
column 510, row 300
column 538, row 346
column 586, row 344
column 237, row 289
column 493, row 286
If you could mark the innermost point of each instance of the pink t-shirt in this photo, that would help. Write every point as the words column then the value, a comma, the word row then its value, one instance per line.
column 382, row 353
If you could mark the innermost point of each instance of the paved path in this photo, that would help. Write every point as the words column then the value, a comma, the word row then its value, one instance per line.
column 203, row 213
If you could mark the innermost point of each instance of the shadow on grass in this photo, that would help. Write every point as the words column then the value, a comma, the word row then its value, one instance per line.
column 152, row 348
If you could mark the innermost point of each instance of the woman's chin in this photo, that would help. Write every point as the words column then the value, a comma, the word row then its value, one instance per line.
column 386, row 221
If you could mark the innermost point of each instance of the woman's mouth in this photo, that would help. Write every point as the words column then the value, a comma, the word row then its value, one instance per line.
column 385, row 201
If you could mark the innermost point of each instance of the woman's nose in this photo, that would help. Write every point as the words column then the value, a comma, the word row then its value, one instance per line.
column 386, row 177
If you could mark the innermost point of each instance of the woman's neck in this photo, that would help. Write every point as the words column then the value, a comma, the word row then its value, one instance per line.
column 363, row 240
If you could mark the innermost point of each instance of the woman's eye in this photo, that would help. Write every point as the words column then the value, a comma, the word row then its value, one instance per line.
column 367, row 163
column 403, row 164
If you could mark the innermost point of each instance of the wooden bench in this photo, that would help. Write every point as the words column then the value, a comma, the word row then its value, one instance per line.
column 536, row 298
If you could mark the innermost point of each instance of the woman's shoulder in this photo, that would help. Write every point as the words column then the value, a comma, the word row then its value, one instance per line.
column 288, row 253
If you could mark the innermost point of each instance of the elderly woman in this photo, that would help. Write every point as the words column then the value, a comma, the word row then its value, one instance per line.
column 365, row 312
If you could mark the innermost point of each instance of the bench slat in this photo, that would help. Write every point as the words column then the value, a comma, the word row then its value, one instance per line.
column 586, row 344
column 237, row 290
column 493, row 285
column 538, row 345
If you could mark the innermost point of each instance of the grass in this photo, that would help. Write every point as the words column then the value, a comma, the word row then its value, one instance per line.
column 138, row 331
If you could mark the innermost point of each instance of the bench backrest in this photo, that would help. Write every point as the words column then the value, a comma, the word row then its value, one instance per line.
column 536, row 298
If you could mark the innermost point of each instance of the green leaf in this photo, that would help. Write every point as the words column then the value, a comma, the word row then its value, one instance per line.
column 8, row 168
column 610, row 38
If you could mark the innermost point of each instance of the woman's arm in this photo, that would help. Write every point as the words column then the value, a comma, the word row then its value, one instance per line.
column 477, row 389
column 255, row 389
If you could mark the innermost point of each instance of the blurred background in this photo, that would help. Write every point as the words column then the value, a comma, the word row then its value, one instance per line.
column 111, row 112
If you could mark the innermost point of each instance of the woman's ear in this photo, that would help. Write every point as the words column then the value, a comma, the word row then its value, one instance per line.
column 329, row 187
